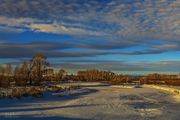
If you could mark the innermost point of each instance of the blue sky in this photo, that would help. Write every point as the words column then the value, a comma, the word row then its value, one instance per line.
column 128, row 36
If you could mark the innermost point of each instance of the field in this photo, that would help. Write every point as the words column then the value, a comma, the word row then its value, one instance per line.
column 95, row 101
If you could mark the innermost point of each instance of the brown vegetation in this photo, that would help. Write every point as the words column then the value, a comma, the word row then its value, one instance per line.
column 95, row 75
column 36, row 71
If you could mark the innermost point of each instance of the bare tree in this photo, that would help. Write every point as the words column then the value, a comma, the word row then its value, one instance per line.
column 9, row 70
column 2, row 72
column 6, row 75
column 18, row 75
column 61, row 73
column 21, row 74
column 37, row 68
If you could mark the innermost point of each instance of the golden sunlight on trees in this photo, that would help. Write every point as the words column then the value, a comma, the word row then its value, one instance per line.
column 60, row 74
column 37, row 70
column 21, row 74
column 95, row 75
column 2, row 75
column 38, row 65
column 8, row 73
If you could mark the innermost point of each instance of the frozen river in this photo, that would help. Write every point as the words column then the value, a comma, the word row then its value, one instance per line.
column 95, row 101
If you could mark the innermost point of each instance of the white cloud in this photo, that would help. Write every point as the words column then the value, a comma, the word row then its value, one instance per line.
column 17, row 25
column 16, row 21
column 60, row 29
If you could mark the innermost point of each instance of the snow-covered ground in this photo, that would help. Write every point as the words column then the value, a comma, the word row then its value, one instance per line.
column 95, row 101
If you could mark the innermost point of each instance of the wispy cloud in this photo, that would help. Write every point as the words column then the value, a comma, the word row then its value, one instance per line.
column 61, row 29
column 61, row 49
column 136, row 19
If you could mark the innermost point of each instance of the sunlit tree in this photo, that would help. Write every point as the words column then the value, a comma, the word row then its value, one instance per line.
column 37, row 69
column 2, row 72
column 60, row 74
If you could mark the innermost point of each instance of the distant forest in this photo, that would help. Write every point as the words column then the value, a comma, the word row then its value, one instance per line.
column 37, row 70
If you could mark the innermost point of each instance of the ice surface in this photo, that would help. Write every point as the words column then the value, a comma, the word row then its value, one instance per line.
column 95, row 102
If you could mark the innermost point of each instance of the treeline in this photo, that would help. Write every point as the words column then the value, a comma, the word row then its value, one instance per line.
column 29, row 73
column 112, row 78
column 95, row 75
column 37, row 70
column 161, row 79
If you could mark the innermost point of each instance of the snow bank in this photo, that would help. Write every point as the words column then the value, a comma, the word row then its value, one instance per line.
column 120, row 86
column 168, row 89
column 33, row 90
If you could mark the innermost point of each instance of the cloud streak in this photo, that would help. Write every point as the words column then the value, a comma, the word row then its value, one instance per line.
column 61, row 49
column 147, row 67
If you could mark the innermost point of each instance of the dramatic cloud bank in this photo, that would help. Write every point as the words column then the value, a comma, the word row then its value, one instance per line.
column 91, row 28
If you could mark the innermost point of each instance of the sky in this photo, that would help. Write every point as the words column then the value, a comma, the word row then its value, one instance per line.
column 124, row 36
